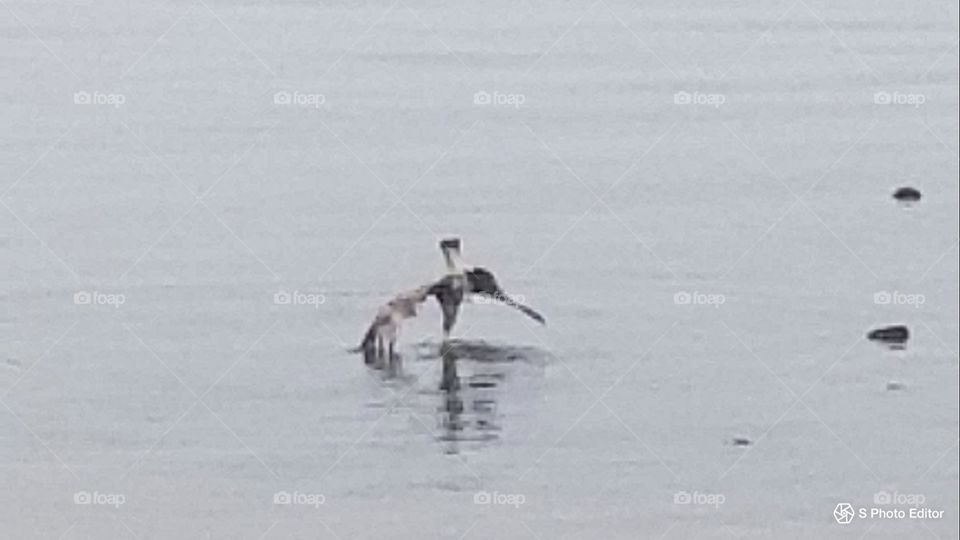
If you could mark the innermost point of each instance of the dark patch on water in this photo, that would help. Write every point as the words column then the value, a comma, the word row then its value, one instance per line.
column 907, row 194
column 473, row 372
column 468, row 413
column 895, row 337
column 481, row 351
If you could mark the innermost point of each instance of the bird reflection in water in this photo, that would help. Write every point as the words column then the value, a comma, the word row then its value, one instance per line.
column 468, row 411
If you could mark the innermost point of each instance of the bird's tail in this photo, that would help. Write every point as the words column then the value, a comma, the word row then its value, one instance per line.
column 367, row 341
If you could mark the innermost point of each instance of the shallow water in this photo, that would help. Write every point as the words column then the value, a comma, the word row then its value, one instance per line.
column 707, row 270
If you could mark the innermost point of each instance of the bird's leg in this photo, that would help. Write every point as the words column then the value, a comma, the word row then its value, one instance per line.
column 449, row 381
column 450, row 309
column 380, row 350
column 370, row 352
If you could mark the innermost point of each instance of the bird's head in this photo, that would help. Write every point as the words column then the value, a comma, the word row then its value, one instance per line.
column 451, row 254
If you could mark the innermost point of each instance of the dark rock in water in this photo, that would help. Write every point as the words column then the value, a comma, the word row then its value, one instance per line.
column 894, row 385
column 892, row 334
column 907, row 194
column 740, row 441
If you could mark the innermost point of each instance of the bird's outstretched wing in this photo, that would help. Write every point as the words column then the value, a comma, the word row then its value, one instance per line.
column 404, row 304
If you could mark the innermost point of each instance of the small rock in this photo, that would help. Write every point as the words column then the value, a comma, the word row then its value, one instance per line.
column 894, row 386
column 897, row 334
column 740, row 441
column 907, row 194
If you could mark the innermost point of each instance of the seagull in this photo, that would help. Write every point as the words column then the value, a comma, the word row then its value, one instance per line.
column 460, row 281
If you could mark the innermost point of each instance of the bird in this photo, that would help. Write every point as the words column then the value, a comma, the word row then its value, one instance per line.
column 380, row 341
column 460, row 281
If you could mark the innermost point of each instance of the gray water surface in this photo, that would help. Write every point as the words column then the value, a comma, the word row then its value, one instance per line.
column 697, row 196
